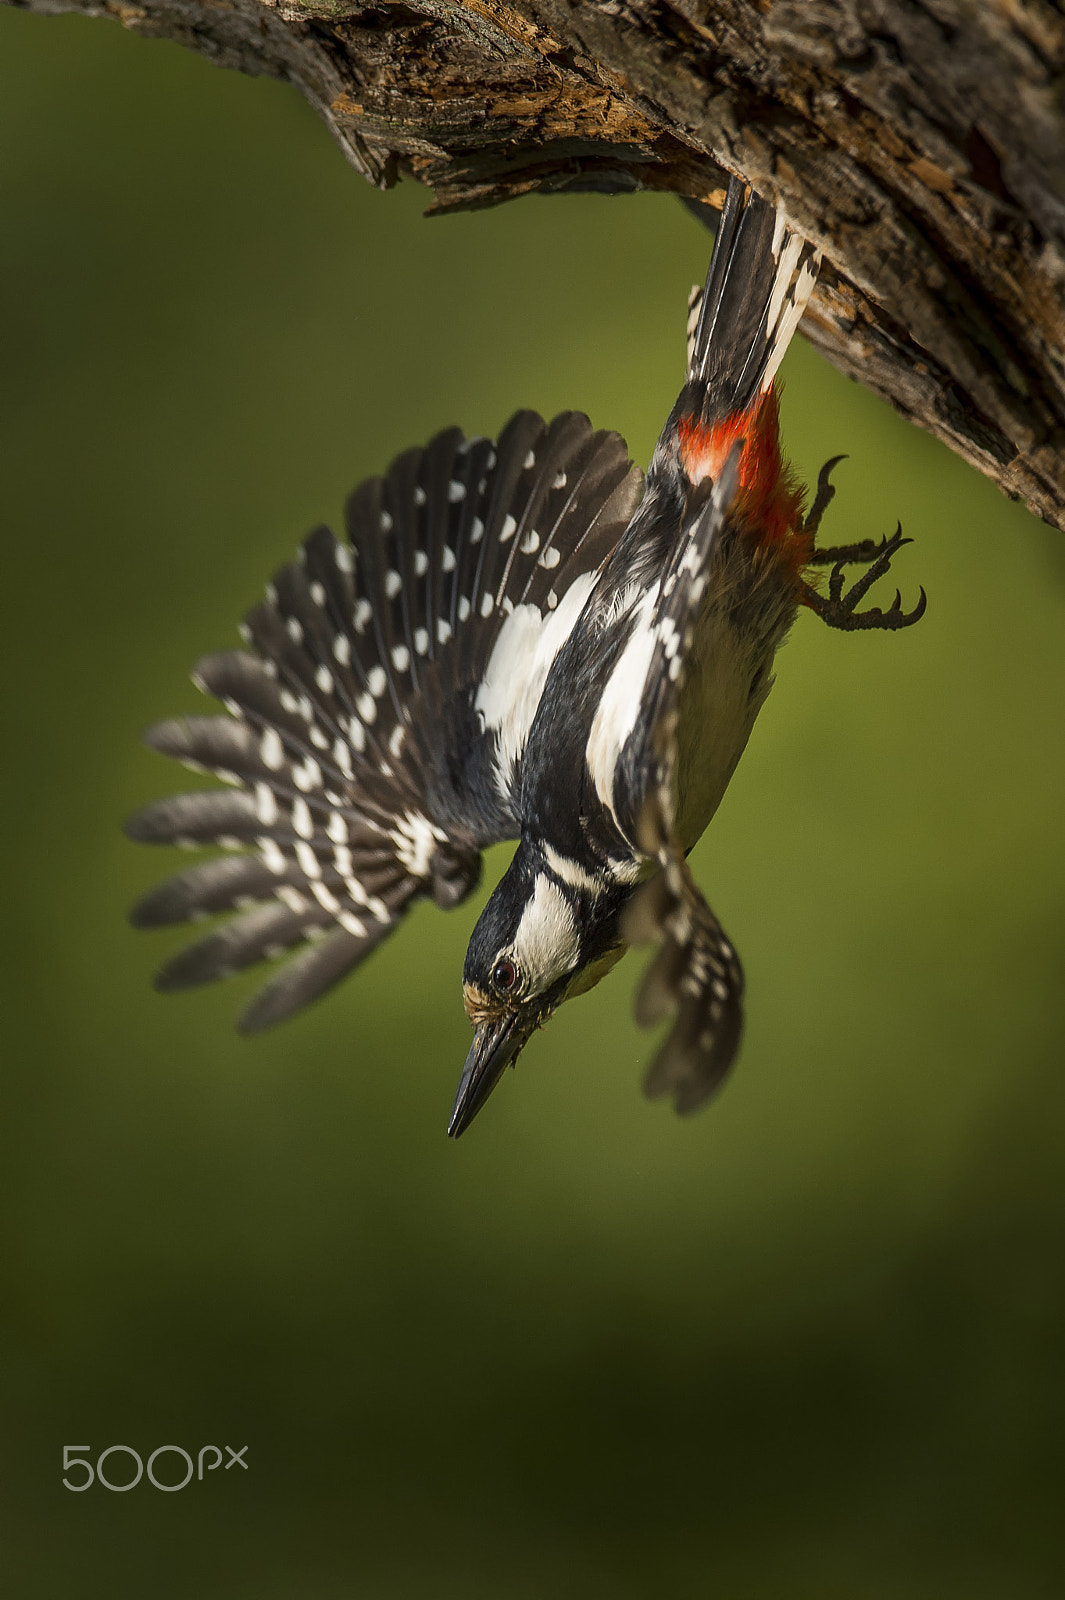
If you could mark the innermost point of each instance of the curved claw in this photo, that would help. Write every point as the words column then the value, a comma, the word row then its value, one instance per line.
column 824, row 496
column 838, row 610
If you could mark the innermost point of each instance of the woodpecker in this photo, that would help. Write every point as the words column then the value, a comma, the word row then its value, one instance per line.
column 522, row 640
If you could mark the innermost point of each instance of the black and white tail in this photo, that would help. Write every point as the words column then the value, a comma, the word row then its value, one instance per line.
column 741, row 322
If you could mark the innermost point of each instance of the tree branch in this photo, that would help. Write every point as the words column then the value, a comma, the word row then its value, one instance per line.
column 921, row 143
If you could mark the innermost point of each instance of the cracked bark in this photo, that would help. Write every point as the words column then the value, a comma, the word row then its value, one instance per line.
column 921, row 143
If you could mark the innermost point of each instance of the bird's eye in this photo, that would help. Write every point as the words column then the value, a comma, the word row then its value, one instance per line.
column 505, row 975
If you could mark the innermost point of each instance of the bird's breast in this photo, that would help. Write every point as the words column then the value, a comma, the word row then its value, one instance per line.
column 717, row 712
column 751, row 602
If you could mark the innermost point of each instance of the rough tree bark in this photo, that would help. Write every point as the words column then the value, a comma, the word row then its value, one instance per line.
column 921, row 143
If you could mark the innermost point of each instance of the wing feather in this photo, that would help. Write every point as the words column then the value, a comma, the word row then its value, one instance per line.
column 696, row 972
column 310, row 974
column 360, row 774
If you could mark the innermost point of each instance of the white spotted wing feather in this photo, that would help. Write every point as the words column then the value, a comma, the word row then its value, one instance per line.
column 361, row 774
column 696, row 973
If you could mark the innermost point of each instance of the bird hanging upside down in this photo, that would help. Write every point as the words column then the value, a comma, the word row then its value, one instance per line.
column 522, row 640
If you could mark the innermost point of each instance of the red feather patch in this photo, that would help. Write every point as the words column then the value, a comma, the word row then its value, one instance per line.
column 771, row 498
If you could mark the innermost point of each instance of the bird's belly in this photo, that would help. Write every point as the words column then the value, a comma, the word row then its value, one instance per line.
column 717, row 712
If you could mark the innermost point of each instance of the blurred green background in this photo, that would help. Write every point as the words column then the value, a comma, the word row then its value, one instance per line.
column 807, row 1344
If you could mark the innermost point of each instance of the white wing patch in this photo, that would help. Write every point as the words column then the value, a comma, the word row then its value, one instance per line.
column 619, row 707
column 510, row 690
column 546, row 943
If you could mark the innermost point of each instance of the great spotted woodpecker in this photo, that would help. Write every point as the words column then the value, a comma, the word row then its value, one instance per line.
column 522, row 640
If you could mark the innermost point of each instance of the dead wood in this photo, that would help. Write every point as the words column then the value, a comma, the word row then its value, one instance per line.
column 921, row 143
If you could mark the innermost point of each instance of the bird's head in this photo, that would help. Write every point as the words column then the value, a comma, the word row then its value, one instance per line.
column 541, row 938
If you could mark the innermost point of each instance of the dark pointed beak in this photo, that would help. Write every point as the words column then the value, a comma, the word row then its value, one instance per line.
column 495, row 1047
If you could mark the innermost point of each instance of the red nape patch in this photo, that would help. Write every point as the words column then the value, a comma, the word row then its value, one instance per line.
column 771, row 498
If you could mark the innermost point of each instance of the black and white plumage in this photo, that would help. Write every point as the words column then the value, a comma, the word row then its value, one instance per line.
column 515, row 640
column 362, row 775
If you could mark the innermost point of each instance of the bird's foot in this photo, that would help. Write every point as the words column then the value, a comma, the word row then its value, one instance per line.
column 860, row 553
column 822, row 499
column 837, row 608
column 864, row 550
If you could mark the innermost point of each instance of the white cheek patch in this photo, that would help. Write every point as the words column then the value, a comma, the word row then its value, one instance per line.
column 546, row 943
column 517, row 670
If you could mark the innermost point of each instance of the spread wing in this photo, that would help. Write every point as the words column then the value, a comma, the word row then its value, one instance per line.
column 696, row 972
column 361, row 774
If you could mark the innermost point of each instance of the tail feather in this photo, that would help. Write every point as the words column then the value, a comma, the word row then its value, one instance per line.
column 740, row 324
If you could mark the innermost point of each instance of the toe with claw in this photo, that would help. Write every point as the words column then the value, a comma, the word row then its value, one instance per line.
column 837, row 608
column 823, row 498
